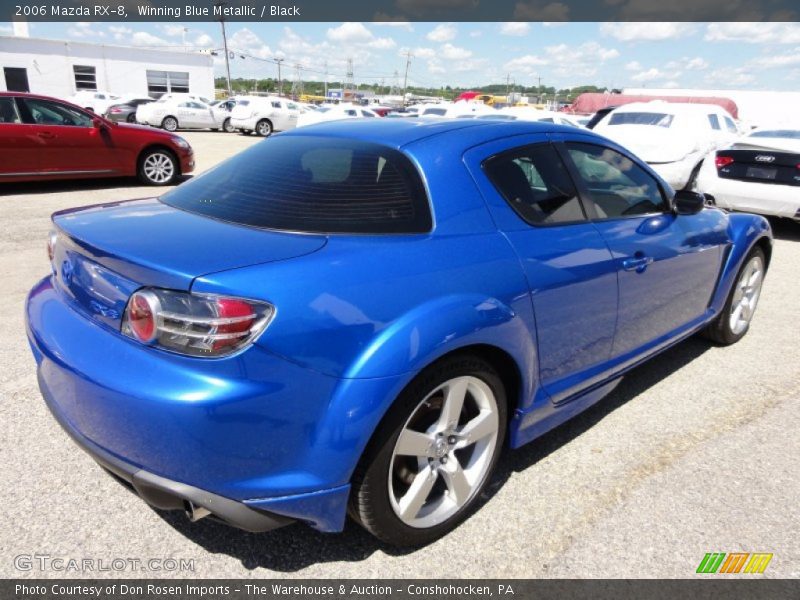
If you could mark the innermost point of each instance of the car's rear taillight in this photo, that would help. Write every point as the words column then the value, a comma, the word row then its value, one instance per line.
column 722, row 161
column 115, row 110
column 194, row 324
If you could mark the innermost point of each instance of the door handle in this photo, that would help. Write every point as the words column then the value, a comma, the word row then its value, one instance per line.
column 46, row 135
column 637, row 263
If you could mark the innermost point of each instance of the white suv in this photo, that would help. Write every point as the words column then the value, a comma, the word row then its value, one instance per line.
column 264, row 114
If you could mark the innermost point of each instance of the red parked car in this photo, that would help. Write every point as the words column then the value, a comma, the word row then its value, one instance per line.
column 44, row 138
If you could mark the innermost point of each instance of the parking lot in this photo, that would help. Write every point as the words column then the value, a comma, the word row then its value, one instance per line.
column 695, row 452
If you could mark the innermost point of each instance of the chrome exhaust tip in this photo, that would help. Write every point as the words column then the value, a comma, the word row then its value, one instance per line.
column 194, row 513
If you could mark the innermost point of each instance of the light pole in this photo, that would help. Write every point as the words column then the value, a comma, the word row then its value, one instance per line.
column 221, row 4
column 280, row 81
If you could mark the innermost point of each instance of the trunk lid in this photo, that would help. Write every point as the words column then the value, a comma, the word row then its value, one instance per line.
column 106, row 252
column 651, row 143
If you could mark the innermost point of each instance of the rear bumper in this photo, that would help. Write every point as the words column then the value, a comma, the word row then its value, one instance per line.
column 166, row 494
column 251, row 430
column 749, row 196
column 248, row 123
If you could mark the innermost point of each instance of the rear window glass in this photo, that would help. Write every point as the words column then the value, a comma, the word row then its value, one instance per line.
column 640, row 118
column 311, row 184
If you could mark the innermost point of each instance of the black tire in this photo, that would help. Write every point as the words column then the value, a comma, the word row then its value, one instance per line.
column 227, row 127
column 264, row 128
column 370, row 504
column 245, row 132
column 148, row 172
column 170, row 124
column 720, row 330
column 131, row 118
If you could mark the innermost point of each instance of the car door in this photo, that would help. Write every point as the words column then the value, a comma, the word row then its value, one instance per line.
column 570, row 271
column 19, row 144
column 667, row 264
column 68, row 141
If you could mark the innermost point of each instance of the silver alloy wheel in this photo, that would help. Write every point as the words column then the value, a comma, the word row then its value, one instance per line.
column 170, row 124
column 227, row 127
column 746, row 294
column 159, row 167
column 263, row 128
column 444, row 452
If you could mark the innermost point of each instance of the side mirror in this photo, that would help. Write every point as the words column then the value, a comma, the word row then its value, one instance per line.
column 97, row 123
column 688, row 203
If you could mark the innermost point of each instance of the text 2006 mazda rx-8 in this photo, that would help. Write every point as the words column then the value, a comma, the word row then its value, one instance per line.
column 356, row 317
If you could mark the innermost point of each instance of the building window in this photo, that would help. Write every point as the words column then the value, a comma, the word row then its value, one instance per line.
column 85, row 77
column 164, row 82
column 16, row 79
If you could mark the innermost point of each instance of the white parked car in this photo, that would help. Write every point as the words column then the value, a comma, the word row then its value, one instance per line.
column 144, row 111
column 335, row 113
column 759, row 173
column 179, row 113
column 671, row 137
column 96, row 101
column 264, row 114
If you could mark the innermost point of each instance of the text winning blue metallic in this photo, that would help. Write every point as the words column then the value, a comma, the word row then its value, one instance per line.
column 355, row 317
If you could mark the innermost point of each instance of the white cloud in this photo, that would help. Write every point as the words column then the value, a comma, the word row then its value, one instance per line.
column 777, row 61
column 688, row 64
column 451, row 52
column 172, row 30
column 563, row 60
column 245, row 40
column 443, row 32
column 634, row 65
column 475, row 33
column 82, row 30
column 754, row 33
column 515, row 28
column 420, row 52
column 354, row 34
column 633, row 32
column 349, row 33
column 120, row 32
column 730, row 77
column 142, row 38
column 204, row 41
column 649, row 75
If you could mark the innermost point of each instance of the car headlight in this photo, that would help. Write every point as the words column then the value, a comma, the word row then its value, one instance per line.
column 180, row 142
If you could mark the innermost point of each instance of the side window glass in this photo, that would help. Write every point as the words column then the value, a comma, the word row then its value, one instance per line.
column 276, row 105
column 730, row 125
column 714, row 121
column 536, row 184
column 8, row 110
column 45, row 112
column 618, row 186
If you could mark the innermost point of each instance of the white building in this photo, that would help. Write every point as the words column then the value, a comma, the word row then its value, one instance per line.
column 60, row 68
column 759, row 108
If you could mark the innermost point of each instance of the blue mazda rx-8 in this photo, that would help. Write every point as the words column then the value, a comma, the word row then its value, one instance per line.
column 354, row 318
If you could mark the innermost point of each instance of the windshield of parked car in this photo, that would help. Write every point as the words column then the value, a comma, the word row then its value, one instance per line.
column 312, row 184
column 641, row 118
column 789, row 134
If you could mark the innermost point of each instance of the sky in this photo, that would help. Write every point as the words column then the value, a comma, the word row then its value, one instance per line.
column 757, row 56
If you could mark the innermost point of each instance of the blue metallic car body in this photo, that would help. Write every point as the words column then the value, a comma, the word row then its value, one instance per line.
column 281, row 425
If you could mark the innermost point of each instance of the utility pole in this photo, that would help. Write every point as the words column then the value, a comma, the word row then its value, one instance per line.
column 508, row 80
column 326, row 79
column 349, row 83
column 405, row 79
column 280, row 81
column 221, row 4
